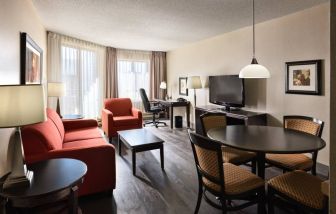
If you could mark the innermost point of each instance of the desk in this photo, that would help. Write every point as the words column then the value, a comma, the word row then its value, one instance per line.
column 266, row 139
column 174, row 103
column 53, row 189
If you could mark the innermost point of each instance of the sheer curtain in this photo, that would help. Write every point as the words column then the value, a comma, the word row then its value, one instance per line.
column 82, row 69
column 133, row 74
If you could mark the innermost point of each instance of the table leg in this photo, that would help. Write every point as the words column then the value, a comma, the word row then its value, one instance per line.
column 162, row 156
column 119, row 145
column 261, row 164
column 133, row 161
column 74, row 200
column 188, row 115
column 171, row 116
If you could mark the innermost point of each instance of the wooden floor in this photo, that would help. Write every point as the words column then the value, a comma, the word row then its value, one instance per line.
column 153, row 190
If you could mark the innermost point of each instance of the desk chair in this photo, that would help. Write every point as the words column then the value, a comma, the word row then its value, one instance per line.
column 150, row 107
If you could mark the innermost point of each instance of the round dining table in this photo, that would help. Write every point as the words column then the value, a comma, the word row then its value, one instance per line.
column 266, row 139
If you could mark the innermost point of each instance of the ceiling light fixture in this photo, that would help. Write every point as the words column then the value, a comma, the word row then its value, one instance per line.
column 254, row 70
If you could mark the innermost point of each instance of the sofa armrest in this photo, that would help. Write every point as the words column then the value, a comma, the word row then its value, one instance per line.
column 107, row 121
column 78, row 124
column 100, row 161
column 137, row 113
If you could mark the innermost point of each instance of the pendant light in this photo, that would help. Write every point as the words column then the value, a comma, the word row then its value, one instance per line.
column 254, row 70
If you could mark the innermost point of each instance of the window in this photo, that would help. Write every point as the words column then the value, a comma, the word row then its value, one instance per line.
column 81, row 76
column 133, row 74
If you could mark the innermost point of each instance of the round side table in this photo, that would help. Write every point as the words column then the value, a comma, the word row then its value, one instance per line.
column 53, row 189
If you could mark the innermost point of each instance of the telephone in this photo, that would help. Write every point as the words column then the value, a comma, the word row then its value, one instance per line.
column 180, row 99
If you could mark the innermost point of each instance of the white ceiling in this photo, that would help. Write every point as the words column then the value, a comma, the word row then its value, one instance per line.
column 157, row 24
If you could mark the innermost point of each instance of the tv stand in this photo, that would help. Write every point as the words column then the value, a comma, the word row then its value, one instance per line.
column 234, row 116
column 229, row 109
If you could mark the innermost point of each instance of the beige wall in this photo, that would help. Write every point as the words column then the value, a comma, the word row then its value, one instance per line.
column 300, row 36
column 16, row 16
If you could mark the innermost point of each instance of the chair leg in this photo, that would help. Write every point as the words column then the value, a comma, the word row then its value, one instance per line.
column 261, row 201
column 224, row 206
column 270, row 195
column 199, row 197
column 254, row 166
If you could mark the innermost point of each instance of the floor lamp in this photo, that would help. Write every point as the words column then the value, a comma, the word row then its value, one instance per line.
column 194, row 82
column 20, row 105
column 56, row 89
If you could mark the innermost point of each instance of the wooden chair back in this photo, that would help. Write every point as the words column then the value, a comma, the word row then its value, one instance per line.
column 305, row 124
column 212, row 120
column 208, row 159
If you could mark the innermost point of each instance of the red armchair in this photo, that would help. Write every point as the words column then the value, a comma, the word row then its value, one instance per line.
column 78, row 139
column 118, row 114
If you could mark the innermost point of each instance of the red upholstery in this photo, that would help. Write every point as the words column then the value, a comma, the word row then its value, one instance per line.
column 81, row 140
column 118, row 114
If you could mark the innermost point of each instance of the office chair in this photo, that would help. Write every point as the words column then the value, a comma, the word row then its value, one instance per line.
column 150, row 107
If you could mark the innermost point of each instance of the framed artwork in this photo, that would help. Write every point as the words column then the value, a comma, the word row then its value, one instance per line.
column 31, row 56
column 183, row 90
column 303, row 77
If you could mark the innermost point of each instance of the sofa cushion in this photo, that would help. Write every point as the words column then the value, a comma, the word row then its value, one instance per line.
column 125, row 121
column 119, row 106
column 84, row 143
column 82, row 134
column 57, row 121
column 40, row 138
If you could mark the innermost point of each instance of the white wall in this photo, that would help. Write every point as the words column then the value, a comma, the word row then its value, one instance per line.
column 16, row 16
column 300, row 36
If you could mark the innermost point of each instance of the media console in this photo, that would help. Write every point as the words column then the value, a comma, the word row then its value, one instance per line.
column 234, row 117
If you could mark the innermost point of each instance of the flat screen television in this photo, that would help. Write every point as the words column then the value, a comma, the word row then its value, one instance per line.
column 227, row 90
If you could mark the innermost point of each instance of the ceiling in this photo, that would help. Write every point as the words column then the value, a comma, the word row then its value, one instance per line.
column 157, row 24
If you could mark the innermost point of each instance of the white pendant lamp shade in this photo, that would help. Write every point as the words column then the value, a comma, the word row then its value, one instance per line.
column 254, row 71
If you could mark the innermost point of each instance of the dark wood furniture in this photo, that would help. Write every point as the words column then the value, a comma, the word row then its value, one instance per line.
column 266, row 139
column 174, row 103
column 224, row 180
column 300, row 190
column 234, row 117
column 290, row 162
column 53, row 189
column 140, row 140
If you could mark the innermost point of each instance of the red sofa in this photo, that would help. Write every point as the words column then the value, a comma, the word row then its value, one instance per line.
column 78, row 139
column 118, row 114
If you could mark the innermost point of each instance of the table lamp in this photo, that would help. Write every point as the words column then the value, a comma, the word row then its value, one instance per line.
column 194, row 82
column 20, row 105
column 163, row 86
column 56, row 89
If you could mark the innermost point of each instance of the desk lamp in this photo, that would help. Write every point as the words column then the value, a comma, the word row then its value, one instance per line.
column 56, row 89
column 20, row 105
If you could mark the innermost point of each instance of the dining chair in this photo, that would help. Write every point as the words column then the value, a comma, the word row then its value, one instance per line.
column 300, row 190
column 290, row 162
column 212, row 120
column 225, row 181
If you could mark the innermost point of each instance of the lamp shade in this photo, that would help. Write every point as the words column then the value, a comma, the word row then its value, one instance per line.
column 21, row 105
column 194, row 82
column 163, row 85
column 56, row 89
column 254, row 71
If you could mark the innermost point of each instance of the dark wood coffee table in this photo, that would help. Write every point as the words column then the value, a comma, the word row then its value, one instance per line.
column 140, row 140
